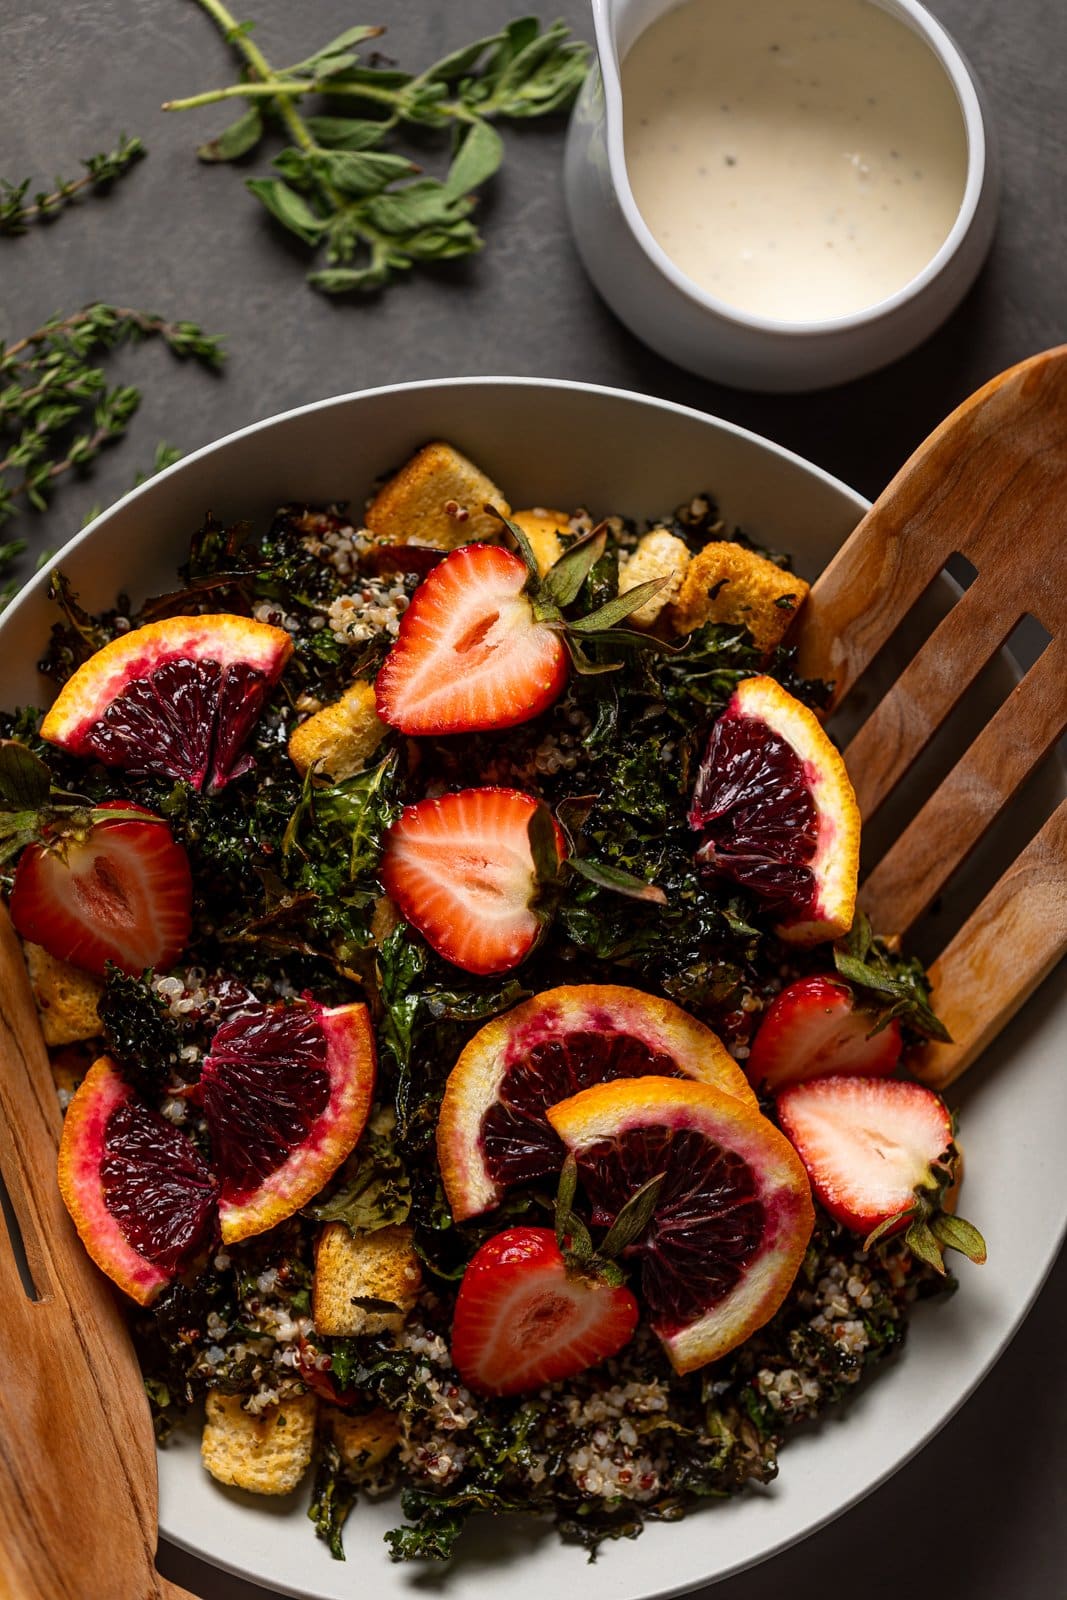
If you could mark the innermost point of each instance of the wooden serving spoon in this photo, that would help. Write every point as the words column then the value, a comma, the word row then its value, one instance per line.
column 78, row 1502
column 991, row 484
column 78, row 1497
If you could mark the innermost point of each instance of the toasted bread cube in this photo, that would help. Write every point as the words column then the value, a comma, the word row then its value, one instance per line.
column 363, row 1442
column 66, row 997
column 69, row 1067
column 354, row 1267
column 385, row 919
column 727, row 583
column 542, row 528
column 341, row 738
column 438, row 498
column 660, row 554
column 265, row 1454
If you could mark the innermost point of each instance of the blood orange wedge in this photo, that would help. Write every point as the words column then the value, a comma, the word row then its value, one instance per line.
column 492, row 1129
column 777, row 812
column 177, row 698
column 733, row 1216
column 141, row 1196
column 286, row 1091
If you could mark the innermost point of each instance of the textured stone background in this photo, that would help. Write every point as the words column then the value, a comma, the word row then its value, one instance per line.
column 982, row 1512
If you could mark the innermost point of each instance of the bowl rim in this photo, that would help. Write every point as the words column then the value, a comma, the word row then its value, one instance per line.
column 919, row 20
column 150, row 486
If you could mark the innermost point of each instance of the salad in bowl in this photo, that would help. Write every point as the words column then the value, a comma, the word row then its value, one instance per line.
column 476, row 1074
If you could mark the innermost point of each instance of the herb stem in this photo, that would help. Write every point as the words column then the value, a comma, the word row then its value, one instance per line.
column 260, row 66
column 294, row 88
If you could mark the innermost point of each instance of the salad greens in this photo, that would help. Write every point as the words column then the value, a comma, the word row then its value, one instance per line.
column 289, row 901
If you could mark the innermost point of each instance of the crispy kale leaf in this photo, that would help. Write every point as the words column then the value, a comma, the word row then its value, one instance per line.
column 139, row 1032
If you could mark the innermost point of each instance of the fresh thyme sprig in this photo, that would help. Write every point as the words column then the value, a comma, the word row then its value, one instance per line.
column 56, row 411
column 373, row 211
column 16, row 213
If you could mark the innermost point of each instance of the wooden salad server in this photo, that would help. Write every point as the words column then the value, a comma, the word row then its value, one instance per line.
column 77, row 1460
column 78, row 1500
column 991, row 484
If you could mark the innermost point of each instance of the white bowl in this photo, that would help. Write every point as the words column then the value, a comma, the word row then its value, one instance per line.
column 668, row 311
column 564, row 444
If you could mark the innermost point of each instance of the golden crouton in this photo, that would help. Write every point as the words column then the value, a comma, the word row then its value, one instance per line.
column 363, row 1443
column 69, row 1067
column 384, row 920
column 66, row 997
column 265, row 1454
column 727, row 583
column 660, row 554
column 542, row 527
column 438, row 498
column 341, row 737
column 364, row 1282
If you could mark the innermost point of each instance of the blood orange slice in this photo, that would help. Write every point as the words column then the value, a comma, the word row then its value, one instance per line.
column 777, row 812
column 733, row 1216
column 177, row 698
column 492, row 1130
column 286, row 1091
column 141, row 1196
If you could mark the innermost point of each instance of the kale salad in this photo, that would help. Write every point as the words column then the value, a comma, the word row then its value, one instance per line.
column 476, row 1073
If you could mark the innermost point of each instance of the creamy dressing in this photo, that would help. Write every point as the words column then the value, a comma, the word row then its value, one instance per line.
column 800, row 159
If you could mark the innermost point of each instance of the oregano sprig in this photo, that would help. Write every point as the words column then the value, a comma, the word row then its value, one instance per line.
column 18, row 212
column 372, row 210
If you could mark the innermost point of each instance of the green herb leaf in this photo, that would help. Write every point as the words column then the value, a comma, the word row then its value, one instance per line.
column 954, row 1233
column 633, row 1218
column 236, row 140
column 606, row 876
column 477, row 158
column 614, row 611
column 563, row 580
column 25, row 781
column 544, row 845
column 336, row 55
column 361, row 172
column 287, row 207
column 347, row 133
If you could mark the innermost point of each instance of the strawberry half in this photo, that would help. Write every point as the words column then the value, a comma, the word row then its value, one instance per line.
column 486, row 643
column 122, row 892
column 880, row 1156
column 813, row 1028
column 522, row 1320
column 471, row 652
column 461, row 870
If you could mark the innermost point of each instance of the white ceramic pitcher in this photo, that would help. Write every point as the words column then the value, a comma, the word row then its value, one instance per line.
column 691, row 327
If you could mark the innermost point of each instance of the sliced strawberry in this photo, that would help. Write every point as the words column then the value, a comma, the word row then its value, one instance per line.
column 461, row 870
column 471, row 653
column 123, row 894
column 880, row 1156
column 522, row 1321
column 812, row 1029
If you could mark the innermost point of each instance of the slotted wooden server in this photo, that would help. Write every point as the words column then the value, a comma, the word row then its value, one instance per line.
column 78, row 1500
column 991, row 484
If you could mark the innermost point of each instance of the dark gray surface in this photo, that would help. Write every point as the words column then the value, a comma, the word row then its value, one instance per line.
column 982, row 1512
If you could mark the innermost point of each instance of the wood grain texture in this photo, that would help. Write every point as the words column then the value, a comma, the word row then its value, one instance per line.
column 991, row 483
column 954, row 819
column 1003, row 951
column 984, row 483
column 73, row 1411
